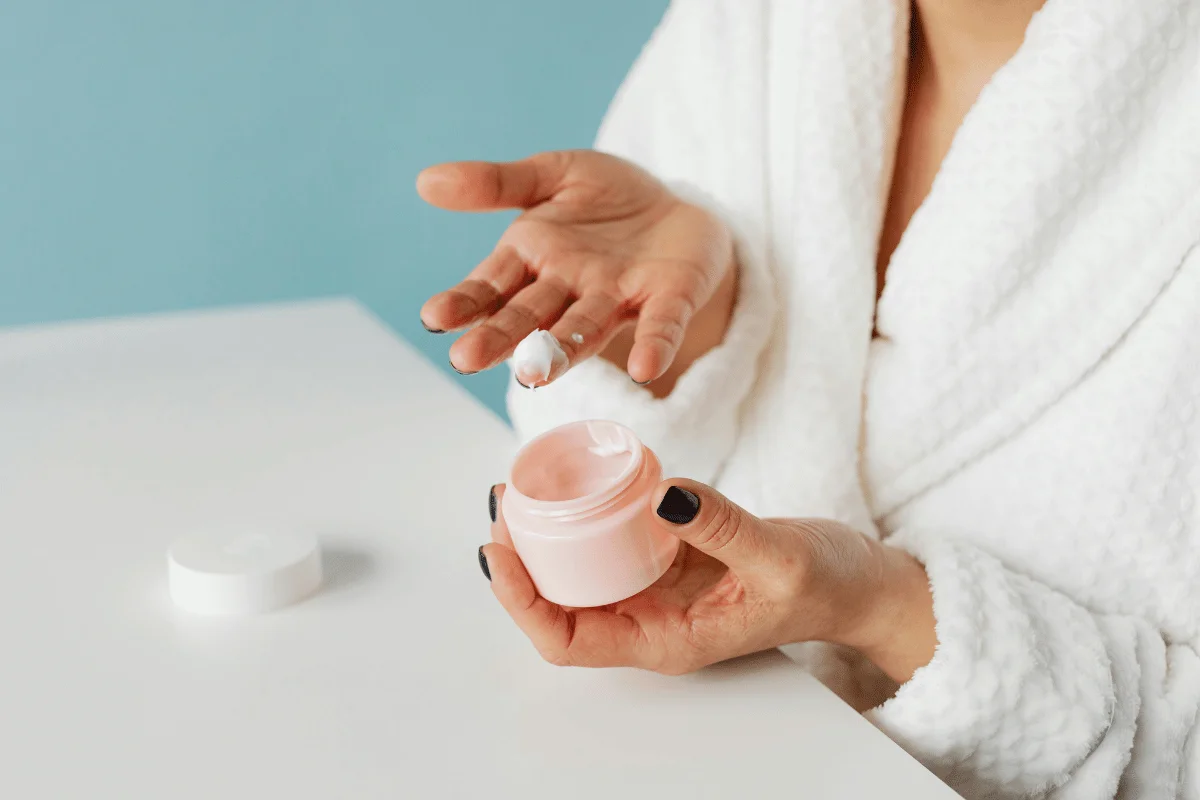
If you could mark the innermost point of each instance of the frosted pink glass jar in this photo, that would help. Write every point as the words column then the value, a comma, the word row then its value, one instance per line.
column 578, row 507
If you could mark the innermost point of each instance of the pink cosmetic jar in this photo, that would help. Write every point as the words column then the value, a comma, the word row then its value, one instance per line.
column 577, row 506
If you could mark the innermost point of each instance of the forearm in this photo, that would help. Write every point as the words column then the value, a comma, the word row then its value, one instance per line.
column 705, row 331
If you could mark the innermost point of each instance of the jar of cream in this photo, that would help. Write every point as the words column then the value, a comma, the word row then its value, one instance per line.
column 577, row 506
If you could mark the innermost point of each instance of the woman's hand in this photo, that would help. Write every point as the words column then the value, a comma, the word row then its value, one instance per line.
column 738, row 585
column 601, row 245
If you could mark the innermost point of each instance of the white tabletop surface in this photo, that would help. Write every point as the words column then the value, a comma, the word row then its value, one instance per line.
column 402, row 678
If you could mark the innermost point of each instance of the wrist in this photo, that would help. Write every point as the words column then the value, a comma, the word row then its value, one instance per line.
column 897, row 630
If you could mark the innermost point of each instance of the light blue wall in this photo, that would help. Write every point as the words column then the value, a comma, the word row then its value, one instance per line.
column 168, row 154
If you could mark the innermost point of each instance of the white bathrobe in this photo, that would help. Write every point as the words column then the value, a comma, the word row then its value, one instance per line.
column 1027, row 424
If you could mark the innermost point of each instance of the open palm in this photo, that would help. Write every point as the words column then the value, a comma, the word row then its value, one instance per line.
column 600, row 245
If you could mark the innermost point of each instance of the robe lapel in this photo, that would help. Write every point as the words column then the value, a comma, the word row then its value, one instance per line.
column 832, row 98
column 1068, row 200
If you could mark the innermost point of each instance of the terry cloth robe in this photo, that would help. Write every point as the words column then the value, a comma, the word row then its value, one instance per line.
column 1027, row 421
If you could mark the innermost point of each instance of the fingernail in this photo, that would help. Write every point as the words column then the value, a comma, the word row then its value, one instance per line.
column 641, row 383
column 518, row 380
column 492, row 503
column 431, row 330
column 483, row 564
column 459, row 371
column 678, row 506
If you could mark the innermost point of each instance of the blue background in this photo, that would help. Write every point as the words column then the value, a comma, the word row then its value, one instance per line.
column 170, row 154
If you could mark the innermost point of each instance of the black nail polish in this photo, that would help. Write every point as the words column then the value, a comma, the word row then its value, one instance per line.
column 431, row 330
column 459, row 371
column 518, row 380
column 678, row 506
column 492, row 503
column 483, row 564
column 641, row 383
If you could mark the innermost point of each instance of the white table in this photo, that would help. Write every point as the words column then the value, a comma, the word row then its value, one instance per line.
column 402, row 678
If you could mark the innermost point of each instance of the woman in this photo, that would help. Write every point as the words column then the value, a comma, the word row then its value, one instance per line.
column 968, row 403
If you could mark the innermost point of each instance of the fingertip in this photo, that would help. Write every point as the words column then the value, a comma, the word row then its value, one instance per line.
column 448, row 311
column 434, row 182
column 537, row 379
column 458, row 365
column 708, row 521
column 647, row 361
column 432, row 316
column 470, row 352
column 528, row 381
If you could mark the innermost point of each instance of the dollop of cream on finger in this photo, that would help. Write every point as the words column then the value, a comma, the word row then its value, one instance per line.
column 537, row 357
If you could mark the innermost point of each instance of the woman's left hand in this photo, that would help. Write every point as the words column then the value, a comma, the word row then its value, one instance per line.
column 738, row 585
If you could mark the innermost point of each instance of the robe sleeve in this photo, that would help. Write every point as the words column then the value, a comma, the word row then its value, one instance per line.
column 1029, row 694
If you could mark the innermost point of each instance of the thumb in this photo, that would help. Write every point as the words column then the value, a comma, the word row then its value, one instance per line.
column 487, row 186
column 710, row 522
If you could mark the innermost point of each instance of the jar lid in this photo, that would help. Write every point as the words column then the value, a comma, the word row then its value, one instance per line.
column 242, row 569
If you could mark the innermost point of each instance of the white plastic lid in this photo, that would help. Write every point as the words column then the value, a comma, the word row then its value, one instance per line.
column 242, row 569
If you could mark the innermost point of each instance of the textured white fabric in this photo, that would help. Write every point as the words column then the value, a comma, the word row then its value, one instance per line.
column 1027, row 423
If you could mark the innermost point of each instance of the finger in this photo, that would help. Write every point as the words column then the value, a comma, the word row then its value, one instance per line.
column 710, row 522
column 500, row 534
column 497, row 278
column 586, row 637
column 661, row 324
column 536, row 306
column 487, row 186
column 587, row 327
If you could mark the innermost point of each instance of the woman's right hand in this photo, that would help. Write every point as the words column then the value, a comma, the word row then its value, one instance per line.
column 604, row 256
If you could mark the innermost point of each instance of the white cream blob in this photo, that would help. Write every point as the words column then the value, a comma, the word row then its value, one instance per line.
column 610, row 440
column 537, row 356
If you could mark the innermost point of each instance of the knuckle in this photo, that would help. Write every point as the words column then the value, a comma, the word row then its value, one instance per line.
column 503, row 271
column 480, row 292
column 514, row 319
column 721, row 529
column 668, row 330
column 586, row 329
column 495, row 181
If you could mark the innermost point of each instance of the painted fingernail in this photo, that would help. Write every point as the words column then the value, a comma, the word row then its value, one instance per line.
column 459, row 371
column 431, row 330
column 518, row 380
column 483, row 564
column 678, row 506
column 641, row 383
column 492, row 503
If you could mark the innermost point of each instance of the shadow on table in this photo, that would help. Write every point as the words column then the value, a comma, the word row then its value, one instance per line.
column 346, row 567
